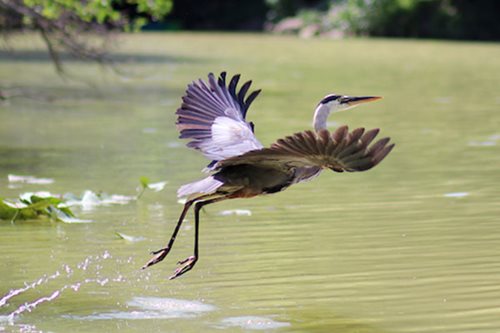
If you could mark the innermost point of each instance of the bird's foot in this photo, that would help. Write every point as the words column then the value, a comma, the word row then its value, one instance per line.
column 159, row 256
column 187, row 265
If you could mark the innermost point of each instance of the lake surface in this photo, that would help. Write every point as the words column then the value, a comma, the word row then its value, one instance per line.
column 410, row 246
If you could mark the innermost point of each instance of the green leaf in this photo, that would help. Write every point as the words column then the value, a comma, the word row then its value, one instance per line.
column 63, row 216
column 128, row 238
column 40, row 205
column 146, row 184
column 7, row 211
column 144, row 181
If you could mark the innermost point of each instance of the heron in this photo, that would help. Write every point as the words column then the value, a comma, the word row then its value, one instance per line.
column 213, row 117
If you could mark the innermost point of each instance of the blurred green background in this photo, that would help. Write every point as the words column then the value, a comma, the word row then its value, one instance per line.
column 410, row 246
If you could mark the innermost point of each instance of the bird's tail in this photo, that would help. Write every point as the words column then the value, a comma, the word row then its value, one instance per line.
column 205, row 186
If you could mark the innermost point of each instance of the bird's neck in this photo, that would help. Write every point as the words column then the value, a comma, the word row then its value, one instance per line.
column 320, row 116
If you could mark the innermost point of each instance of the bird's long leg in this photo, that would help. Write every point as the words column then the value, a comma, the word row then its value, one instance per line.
column 162, row 253
column 188, row 263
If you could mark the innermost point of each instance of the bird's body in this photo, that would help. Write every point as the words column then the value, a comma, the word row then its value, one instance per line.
column 212, row 116
column 246, row 180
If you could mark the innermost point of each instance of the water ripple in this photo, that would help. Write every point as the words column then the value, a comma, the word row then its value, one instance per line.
column 253, row 323
column 154, row 308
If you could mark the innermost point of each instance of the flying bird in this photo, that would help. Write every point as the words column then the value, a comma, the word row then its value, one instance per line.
column 213, row 117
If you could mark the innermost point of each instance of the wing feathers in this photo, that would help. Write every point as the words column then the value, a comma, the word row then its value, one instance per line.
column 353, row 145
column 324, row 136
column 209, row 96
column 356, row 134
column 249, row 101
column 219, row 92
column 339, row 134
column 312, row 141
column 243, row 91
column 380, row 155
column 198, row 95
column 340, row 151
column 225, row 91
column 368, row 137
column 212, row 115
column 378, row 145
column 232, row 86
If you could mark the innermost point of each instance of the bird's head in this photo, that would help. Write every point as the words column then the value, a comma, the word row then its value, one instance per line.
column 336, row 103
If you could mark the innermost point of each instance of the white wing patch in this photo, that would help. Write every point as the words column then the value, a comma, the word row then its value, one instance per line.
column 205, row 186
column 230, row 137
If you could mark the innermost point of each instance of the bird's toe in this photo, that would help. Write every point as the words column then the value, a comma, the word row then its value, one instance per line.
column 159, row 255
column 187, row 265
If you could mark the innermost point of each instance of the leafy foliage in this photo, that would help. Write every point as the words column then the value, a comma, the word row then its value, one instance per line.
column 397, row 18
column 145, row 184
column 34, row 205
column 65, row 25
column 129, row 15
column 410, row 18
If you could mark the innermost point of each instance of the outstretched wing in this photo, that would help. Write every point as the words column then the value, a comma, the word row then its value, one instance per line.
column 212, row 115
column 340, row 151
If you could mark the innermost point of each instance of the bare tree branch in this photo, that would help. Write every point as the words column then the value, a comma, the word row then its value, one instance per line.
column 68, row 33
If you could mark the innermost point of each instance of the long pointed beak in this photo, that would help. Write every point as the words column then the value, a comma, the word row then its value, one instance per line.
column 351, row 101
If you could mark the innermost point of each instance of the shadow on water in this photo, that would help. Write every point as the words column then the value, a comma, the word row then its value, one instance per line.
column 123, row 65
column 326, row 320
column 26, row 160
column 43, row 56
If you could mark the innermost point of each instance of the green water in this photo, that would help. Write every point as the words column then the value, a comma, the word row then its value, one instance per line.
column 410, row 246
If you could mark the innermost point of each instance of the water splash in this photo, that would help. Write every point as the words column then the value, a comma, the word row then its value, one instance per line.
column 16, row 292
column 91, row 200
column 67, row 272
column 31, row 306
column 237, row 212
